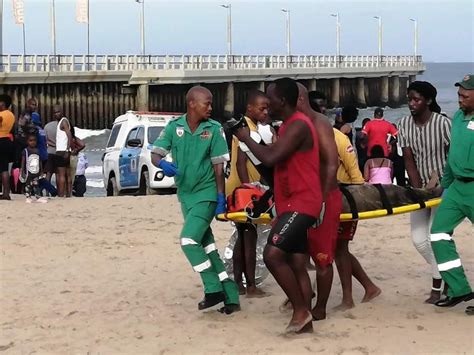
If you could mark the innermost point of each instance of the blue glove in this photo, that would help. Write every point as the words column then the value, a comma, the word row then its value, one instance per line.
column 221, row 204
column 169, row 169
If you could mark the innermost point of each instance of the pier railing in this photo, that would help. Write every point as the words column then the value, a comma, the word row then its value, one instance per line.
column 124, row 63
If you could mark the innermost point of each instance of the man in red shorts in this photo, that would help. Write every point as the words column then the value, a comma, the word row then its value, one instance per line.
column 322, row 240
column 298, row 197
column 378, row 132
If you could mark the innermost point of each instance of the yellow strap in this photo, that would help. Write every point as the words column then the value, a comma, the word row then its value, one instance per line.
column 242, row 217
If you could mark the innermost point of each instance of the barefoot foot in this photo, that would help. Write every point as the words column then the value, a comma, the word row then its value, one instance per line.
column 344, row 306
column 254, row 292
column 299, row 323
column 370, row 294
column 318, row 314
column 286, row 306
column 242, row 289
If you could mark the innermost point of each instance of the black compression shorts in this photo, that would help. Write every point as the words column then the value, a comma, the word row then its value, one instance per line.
column 290, row 232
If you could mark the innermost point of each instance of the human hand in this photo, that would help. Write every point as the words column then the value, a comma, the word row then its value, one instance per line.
column 169, row 169
column 321, row 216
column 221, row 204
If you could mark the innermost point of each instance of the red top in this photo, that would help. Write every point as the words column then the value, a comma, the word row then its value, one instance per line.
column 377, row 132
column 297, row 182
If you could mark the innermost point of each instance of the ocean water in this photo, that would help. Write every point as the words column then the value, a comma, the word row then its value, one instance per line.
column 441, row 75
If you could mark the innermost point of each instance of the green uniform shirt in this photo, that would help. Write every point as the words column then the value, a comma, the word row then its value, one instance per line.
column 194, row 154
column 460, row 162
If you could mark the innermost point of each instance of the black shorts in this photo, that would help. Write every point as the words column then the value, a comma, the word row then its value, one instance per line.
column 7, row 151
column 290, row 232
column 62, row 159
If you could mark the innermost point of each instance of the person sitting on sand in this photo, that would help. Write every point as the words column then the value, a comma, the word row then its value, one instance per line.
column 378, row 169
column 243, row 171
column 199, row 150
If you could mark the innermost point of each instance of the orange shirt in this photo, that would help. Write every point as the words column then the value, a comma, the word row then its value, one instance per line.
column 7, row 120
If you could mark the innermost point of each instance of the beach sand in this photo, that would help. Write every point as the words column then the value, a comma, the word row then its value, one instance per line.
column 107, row 275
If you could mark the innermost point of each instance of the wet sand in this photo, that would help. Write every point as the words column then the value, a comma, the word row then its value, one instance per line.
column 107, row 275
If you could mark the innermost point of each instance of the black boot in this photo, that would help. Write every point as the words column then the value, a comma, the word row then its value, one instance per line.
column 230, row 308
column 211, row 299
column 452, row 301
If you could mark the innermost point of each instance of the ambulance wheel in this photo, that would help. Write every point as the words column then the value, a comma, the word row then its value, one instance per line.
column 112, row 188
column 145, row 188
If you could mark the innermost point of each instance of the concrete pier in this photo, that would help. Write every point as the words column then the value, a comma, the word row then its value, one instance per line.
column 360, row 99
column 335, row 92
column 384, row 90
column 92, row 96
column 394, row 91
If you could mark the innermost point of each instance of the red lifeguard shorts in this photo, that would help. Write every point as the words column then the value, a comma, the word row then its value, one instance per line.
column 322, row 240
column 347, row 230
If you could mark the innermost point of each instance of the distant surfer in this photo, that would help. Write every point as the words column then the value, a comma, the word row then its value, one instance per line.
column 458, row 200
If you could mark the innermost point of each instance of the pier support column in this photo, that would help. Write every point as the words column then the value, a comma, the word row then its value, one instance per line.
column 312, row 85
column 361, row 93
column 261, row 86
column 395, row 91
column 411, row 79
column 142, row 97
column 229, row 100
column 384, row 90
column 335, row 92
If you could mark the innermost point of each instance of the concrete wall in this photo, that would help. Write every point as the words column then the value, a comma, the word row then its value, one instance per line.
column 96, row 105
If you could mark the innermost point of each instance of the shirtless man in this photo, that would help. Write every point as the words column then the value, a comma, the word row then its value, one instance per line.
column 298, row 197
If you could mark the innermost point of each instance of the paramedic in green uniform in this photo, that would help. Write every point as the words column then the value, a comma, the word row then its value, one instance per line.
column 199, row 150
column 458, row 199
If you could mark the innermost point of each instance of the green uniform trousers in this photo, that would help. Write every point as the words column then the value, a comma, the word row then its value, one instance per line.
column 457, row 204
column 197, row 242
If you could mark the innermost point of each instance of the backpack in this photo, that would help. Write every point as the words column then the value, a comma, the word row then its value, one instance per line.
column 243, row 198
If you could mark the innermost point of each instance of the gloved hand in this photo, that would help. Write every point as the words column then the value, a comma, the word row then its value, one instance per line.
column 221, row 204
column 169, row 169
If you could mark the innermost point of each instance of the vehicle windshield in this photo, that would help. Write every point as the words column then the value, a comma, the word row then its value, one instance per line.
column 153, row 133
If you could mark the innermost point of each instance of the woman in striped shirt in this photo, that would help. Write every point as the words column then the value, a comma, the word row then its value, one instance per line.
column 424, row 137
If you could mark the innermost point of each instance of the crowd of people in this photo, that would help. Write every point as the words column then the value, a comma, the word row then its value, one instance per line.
column 311, row 161
column 31, row 155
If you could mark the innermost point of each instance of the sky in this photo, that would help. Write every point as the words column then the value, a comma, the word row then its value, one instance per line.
column 446, row 27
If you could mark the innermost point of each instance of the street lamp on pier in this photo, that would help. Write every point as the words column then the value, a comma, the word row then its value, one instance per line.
column 379, row 18
column 338, row 35
column 288, row 33
column 229, row 28
column 415, row 34
column 142, row 25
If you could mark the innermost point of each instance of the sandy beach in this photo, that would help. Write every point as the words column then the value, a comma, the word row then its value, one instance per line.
column 107, row 275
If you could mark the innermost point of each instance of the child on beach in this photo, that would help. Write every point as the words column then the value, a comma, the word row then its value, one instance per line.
column 378, row 169
column 31, row 170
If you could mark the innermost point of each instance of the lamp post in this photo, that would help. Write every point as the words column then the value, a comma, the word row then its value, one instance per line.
column 53, row 26
column 229, row 28
column 142, row 25
column 288, row 34
column 379, row 18
column 415, row 34
column 1, row 33
column 338, row 35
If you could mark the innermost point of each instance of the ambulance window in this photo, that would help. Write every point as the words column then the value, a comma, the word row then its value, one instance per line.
column 132, row 135
column 113, row 135
column 141, row 134
column 153, row 133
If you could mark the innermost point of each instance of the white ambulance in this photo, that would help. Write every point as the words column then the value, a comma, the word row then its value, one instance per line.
column 127, row 166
